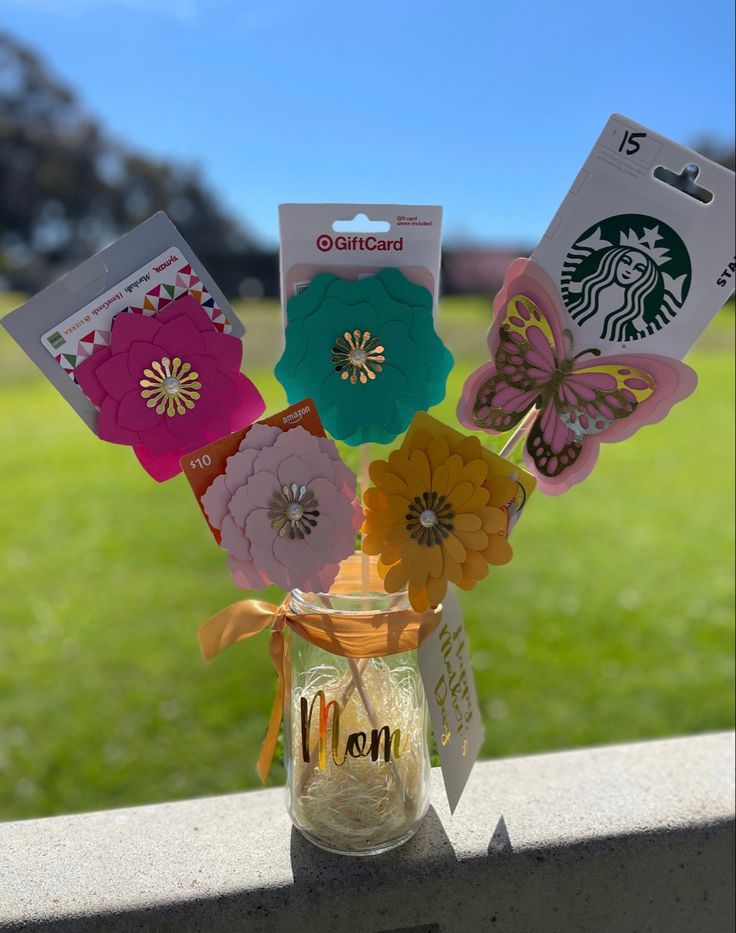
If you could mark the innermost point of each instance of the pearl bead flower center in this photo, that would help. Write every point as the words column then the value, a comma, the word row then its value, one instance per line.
column 293, row 511
column 357, row 356
column 170, row 386
column 429, row 519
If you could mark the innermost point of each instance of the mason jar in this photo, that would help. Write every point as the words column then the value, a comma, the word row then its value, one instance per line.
column 355, row 727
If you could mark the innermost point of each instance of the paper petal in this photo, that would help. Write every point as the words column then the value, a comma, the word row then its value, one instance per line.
column 246, row 575
column 108, row 428
column 303, row 470
column 180, row 337
column 190, row 427
column 140, row 357
column 161, row 468
column 215, row 500
column 114, row 376
column 234, row 540
column 129, row 328
column 261, row 487
column 134, row 414
column 250, row 404
column 309, row 554
column 86, row 375
column 159, row 439
column 298, row 441
column 226, row 349
column 239, row 467
column 189, row 307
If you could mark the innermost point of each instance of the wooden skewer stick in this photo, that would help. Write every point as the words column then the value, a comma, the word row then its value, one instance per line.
column 365, row 563
column 519, row 434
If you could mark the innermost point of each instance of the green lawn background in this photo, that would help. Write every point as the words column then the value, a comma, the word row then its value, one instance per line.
column 613, row 622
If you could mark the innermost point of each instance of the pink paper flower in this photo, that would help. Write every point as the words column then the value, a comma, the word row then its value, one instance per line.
column 286, row 510
column 168, row 384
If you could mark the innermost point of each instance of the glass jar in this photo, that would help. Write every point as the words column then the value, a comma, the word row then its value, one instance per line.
column 355, row 729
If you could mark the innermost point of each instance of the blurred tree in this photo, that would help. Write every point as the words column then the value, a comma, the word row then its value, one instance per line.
column 67, row 189
column 717, row 150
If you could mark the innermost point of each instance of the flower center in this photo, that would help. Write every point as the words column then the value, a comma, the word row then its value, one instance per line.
column 357, row 356
column 170, row 386
column 429, row 519
column 293, row 511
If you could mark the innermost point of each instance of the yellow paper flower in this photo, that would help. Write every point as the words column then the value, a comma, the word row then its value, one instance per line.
column 437, row 513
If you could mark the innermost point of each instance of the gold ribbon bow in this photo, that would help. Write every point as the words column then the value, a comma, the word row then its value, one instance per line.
column 353, row 635
column 236, row 623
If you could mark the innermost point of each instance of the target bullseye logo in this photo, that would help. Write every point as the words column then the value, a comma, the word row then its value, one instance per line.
column 324, row 242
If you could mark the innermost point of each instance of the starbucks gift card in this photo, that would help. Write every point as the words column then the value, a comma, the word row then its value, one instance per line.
column 587, row 336
column 642, row 248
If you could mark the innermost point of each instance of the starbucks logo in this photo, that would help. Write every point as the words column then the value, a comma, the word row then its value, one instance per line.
column 630, row 274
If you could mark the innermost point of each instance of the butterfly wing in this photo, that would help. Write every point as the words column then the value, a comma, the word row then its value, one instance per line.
column 525, row 351
column 607, row 401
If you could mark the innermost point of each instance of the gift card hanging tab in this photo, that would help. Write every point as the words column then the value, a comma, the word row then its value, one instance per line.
column 361, row 223
column 684, row 182
column 642, row 248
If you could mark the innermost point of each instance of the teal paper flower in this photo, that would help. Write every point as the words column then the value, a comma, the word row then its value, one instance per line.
column 367, row 352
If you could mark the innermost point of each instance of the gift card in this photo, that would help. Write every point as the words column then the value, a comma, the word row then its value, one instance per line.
column 279, row 500
column 642, row 248
column 202, row 467
column 146, row 291
column 143, row 271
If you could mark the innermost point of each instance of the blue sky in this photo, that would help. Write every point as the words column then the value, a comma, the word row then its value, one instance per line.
column 486, row 108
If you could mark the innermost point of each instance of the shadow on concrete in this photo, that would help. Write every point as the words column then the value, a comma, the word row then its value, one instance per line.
column 500, row 843
column 430, row 847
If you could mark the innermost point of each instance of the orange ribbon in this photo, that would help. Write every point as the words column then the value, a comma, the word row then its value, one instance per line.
column 350, row 635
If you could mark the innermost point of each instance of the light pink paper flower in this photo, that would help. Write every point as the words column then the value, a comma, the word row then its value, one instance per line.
column 286, row 509
column 167, row 385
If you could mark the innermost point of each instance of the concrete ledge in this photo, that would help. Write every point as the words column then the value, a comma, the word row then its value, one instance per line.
column 621, row 839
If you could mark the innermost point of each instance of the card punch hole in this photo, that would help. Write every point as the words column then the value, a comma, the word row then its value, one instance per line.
column 361, row 223
column 684, row 182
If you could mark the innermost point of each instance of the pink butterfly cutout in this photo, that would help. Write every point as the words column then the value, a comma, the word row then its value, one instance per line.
column 579, row 403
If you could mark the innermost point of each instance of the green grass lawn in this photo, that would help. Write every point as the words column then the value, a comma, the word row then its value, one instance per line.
column 613, row 622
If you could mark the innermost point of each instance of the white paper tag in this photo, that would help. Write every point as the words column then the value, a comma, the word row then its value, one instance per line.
column 444, row 663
